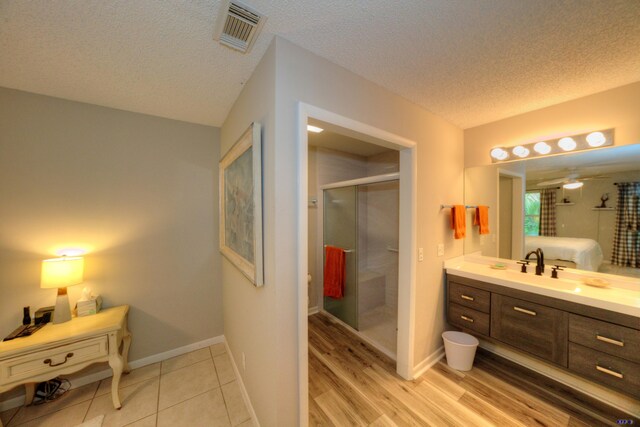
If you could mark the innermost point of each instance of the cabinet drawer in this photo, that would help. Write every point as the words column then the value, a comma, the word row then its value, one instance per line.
column 468, row 318
column 606, row 337
column 52, row 360
column 470, row 297
column 534, row 328
column 604, row 368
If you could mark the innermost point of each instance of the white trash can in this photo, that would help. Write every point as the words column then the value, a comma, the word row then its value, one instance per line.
column 460, row 349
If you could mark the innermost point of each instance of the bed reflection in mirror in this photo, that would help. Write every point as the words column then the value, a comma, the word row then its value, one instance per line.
column 582, row 209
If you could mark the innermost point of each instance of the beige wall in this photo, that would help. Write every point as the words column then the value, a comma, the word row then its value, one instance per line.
column 250, row 313
column 262, row 322
column 617, row 108
column 303, row 76
column 137, row 192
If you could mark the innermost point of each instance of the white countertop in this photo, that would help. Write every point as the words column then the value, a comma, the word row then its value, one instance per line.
column 622, row 295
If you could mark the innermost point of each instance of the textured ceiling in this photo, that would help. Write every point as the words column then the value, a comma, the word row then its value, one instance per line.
column 471, row 62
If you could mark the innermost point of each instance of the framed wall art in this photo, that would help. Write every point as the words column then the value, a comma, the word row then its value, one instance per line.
column 241, row 205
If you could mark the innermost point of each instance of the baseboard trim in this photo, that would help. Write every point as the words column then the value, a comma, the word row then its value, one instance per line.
column 89, row 378
column 313, row 310
column 428, row 362
column 243, row 390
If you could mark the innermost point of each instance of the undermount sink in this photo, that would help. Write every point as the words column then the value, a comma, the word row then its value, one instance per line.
column 569, row 285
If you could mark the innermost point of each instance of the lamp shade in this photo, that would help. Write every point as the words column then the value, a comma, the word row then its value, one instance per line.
column 62, row 272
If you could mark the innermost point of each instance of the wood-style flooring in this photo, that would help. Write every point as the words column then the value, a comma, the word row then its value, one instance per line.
column 352, row 384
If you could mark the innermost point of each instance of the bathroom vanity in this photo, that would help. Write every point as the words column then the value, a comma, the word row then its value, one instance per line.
column 592, row 332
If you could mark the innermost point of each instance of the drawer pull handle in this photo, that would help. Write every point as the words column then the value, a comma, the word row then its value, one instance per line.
column 610, row 340
column 50, row 362
column 468, row 319
column 468, row 298
column 609, row 372
column 525, row 311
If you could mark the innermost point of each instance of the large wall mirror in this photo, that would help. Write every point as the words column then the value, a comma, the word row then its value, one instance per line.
column 567, row 205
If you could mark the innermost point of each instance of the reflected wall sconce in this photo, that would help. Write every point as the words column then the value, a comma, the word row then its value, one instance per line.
column 552, row 147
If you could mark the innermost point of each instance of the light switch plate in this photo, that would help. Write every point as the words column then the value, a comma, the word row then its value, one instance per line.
column 420, row 254
column 440, row 249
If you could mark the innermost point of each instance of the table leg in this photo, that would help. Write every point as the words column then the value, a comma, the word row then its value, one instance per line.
column 116, row 364
column 30, row 392
column 125, row 348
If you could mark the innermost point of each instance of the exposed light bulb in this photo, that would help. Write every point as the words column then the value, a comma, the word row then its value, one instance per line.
column 520, row 151
column 314, row 129
column 596, row 139
column 542, row 148
column 573, row 184
column 567, row 144
column 499, row 154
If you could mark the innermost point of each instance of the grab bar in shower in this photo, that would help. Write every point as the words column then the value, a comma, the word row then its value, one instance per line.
column 390, row 249
column 345, row 250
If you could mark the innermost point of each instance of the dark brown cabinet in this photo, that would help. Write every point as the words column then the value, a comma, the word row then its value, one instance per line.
column 534, row 328
column 594, row 343
column 605, row 337
column 468, row 318
column 470, row 297
column 604, row 368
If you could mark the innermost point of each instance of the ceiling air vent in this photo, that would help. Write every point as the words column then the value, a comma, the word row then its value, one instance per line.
column 238, row 26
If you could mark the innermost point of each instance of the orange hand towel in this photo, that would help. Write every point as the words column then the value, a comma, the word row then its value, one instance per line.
column 458, row 221
column 334, row 272
column 482, row 219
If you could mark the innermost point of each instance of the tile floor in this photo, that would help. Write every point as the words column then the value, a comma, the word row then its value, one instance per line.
column 195, row 389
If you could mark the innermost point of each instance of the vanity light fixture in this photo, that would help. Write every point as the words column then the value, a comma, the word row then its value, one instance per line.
column 542, row 148
column 520, row 151
column 553, row 147
column 567, row 144
column 314, row 129
column 596, row 139
column 499, row 154
column 573, row 184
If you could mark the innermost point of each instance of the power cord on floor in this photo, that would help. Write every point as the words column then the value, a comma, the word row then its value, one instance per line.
column 51, row 390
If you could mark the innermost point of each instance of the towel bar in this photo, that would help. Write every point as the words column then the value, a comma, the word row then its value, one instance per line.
column 345, row 250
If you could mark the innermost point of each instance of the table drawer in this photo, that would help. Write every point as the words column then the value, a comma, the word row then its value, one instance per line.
column 52, row 360
column 534, row 328
column 606, row 369
column 606, row 337
column 468, row 318
column 470, row 297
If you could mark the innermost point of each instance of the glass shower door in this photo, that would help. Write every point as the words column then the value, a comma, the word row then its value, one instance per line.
column 340, row 229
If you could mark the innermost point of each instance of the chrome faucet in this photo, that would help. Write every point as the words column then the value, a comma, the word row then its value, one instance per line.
column 540, row 260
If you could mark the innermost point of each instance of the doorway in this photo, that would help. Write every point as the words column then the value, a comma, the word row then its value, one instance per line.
column 406, row 235
column 511, row 189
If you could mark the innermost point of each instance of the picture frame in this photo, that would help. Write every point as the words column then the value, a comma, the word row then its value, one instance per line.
column 241, row 205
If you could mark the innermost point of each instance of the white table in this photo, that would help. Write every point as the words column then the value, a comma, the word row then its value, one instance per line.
column 66, row 348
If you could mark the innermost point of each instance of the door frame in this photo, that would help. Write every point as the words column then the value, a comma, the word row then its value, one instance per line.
column 517, row 212
column 407, row 241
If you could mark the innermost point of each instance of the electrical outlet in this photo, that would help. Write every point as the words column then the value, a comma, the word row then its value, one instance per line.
column 440, row 249
column 420, row 254
column 244, row 362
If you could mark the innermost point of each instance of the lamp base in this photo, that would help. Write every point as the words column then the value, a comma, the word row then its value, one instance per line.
column 63, row 309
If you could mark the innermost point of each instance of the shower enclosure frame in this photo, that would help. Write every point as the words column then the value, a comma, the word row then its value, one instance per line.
column 375, row 179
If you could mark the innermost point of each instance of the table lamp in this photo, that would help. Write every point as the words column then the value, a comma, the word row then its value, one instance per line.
column 60, row 273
